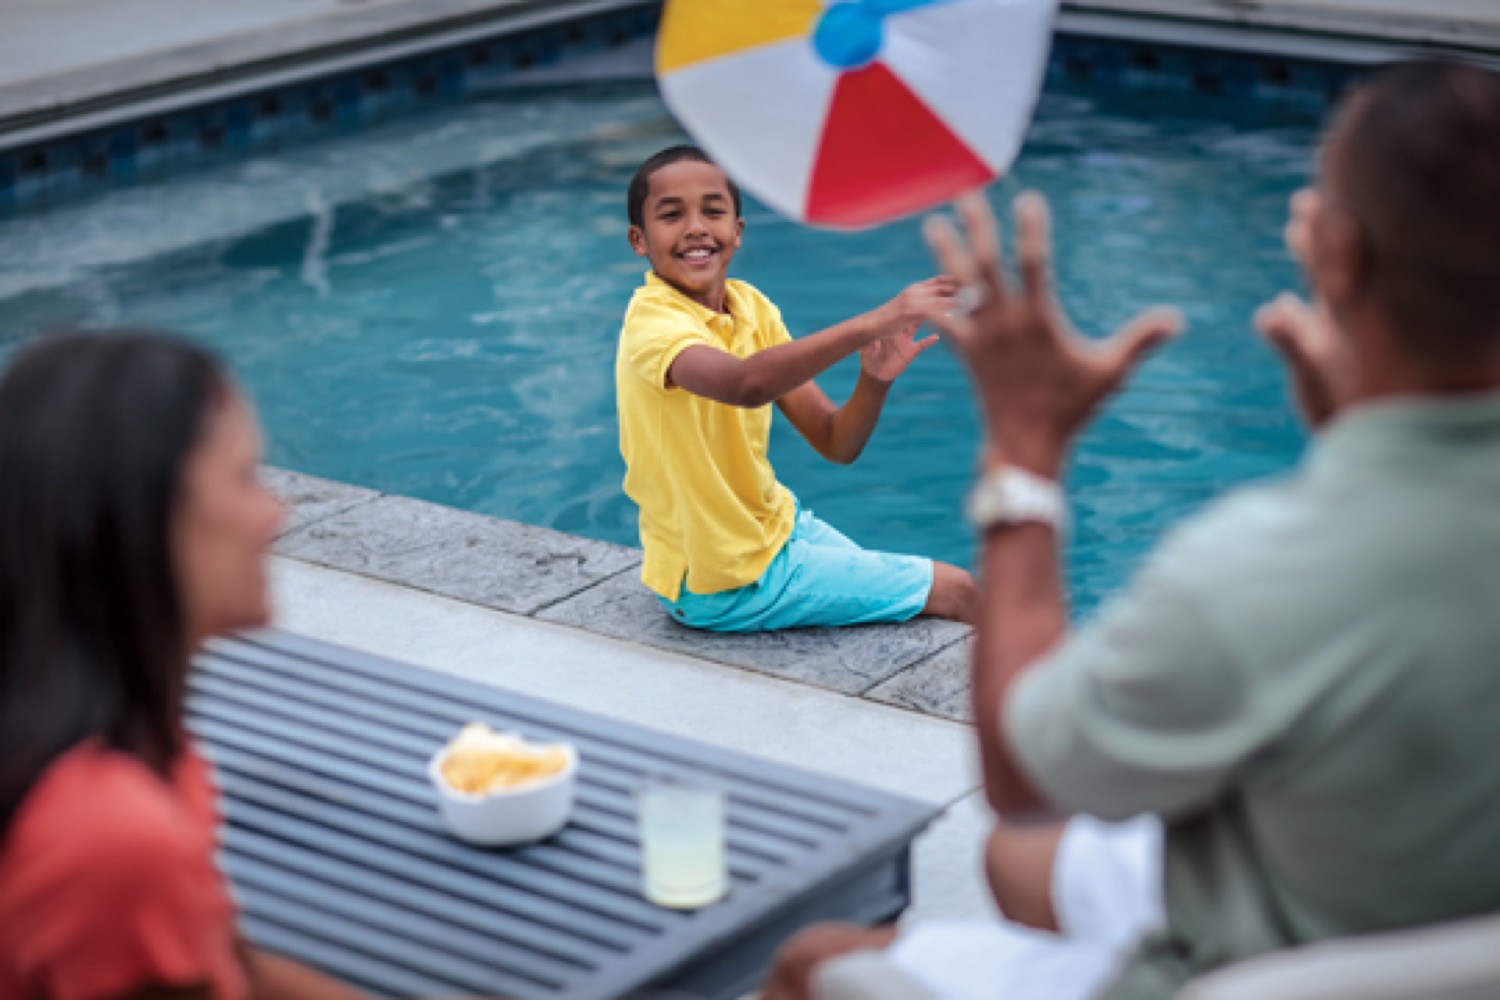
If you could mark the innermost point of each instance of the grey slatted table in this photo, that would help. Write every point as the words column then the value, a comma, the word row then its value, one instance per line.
column 338, row 858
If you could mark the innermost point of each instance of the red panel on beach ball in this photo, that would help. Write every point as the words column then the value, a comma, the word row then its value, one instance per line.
column 884, row 154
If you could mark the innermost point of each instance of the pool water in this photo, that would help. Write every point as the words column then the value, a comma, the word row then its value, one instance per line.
column 445, row 329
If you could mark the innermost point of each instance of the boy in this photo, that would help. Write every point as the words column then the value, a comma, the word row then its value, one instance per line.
column 700, row 359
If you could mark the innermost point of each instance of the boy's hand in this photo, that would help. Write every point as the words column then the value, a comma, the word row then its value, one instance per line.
column 885, row 359
column 1038, row 380
column 916, row 305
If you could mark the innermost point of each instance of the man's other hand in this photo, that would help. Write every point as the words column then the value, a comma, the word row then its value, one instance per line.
column 1308, row 342
column 792, row 972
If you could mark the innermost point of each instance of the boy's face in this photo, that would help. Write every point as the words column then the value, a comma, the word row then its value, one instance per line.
column 691, row 230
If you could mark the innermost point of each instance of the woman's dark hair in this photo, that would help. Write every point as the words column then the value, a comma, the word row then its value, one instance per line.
column 640, row 184
column 95, row 431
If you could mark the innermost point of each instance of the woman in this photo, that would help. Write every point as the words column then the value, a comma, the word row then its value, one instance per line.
column 133, row 527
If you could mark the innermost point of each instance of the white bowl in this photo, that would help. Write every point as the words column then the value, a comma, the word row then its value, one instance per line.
column 508, row 816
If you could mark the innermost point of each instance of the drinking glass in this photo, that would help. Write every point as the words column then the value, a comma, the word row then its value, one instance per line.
column 682, row 841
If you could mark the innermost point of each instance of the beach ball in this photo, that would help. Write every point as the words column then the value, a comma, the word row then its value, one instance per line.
column 849, row 113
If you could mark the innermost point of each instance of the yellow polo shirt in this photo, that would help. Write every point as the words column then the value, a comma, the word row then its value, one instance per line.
column 711, row 510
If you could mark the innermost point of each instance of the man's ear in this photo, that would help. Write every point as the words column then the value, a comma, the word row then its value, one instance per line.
column 739, row 231
column 637, row 237
column 1342, row 255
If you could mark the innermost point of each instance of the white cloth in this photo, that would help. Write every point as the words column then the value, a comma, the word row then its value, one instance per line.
column 1106, row 887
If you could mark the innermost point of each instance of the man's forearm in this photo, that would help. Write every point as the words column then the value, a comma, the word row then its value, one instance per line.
column 1022, row 615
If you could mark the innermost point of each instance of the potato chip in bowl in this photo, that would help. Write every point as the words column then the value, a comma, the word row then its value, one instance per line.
column 498, row 788
column 481, row 761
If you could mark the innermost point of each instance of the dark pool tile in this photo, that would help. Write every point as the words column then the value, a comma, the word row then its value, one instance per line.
column 850, row 660
column 309, row 499
column 938, row 685
column 499, row 564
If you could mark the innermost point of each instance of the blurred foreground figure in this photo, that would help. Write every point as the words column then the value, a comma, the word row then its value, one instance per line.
column 1303, row 683
column 133, row 527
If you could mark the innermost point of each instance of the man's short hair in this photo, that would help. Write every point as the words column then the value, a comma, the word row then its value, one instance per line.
column 1414, row 155
column 640, row 184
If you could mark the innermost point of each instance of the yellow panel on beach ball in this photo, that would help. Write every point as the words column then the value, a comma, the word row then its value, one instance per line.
column 694, row 31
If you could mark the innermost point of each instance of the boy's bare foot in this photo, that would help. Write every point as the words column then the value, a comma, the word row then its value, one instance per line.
column 954, row 596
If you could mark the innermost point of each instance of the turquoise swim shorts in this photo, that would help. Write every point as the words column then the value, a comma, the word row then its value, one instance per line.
column 818, row 578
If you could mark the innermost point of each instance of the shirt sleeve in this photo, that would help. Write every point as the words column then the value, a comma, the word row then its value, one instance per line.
column 779, row 334
column 109, row 914
column 654, row 335
column 1145, row 710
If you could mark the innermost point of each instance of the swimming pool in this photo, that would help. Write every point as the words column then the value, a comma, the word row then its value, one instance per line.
column 429, row 307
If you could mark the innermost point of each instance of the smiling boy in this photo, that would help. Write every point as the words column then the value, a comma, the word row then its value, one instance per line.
column 701, row 359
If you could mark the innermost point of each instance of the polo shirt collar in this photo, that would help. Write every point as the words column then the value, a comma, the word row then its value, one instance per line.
column 698, row 309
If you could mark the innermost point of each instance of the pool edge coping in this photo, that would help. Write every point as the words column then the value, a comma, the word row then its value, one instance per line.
column 925, row 671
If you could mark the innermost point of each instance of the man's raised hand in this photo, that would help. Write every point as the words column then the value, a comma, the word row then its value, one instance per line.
column 1039, row 382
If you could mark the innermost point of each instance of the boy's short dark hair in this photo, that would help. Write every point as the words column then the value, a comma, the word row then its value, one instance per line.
column 640, row 184
column 1414, row 156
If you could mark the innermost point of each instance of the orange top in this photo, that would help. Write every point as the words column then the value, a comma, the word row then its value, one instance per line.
column 108, row 883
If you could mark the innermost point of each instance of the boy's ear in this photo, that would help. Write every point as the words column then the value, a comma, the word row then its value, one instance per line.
column 637, row 237
column 739, row 231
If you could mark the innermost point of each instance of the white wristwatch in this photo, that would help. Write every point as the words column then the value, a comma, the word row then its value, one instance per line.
column 1013, row 496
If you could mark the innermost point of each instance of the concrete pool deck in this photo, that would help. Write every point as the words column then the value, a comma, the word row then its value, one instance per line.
column 415, row 589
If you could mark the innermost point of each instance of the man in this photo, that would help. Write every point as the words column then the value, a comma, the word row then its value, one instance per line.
column 1304, row 682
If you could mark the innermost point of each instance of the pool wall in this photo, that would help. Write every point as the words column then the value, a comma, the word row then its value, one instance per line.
column 53, row 158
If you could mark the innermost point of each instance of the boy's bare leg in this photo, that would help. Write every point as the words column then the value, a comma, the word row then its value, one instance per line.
column 1018, row 863
column 954, row 596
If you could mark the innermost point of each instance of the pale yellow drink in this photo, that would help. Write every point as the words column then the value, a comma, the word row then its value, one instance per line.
column 682, row 845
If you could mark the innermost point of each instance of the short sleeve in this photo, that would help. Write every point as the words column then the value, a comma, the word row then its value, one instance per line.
column 1145, row 710
column 124, row 917
column 655, row 334
column 776, row 327
column 749, row 301
column 114, row 887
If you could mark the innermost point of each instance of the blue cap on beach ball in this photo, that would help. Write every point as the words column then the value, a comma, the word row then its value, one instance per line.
column 849, row 35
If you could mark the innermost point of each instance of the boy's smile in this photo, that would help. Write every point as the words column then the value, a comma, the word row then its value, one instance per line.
column 691, row 230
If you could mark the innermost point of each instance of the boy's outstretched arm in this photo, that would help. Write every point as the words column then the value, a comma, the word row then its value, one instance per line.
column 769, row 375
column 840, row 433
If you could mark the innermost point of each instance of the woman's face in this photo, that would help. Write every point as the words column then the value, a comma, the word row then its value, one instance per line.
column 225, row 527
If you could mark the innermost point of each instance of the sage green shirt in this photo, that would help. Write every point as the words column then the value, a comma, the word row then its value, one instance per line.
column 1305, row 683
